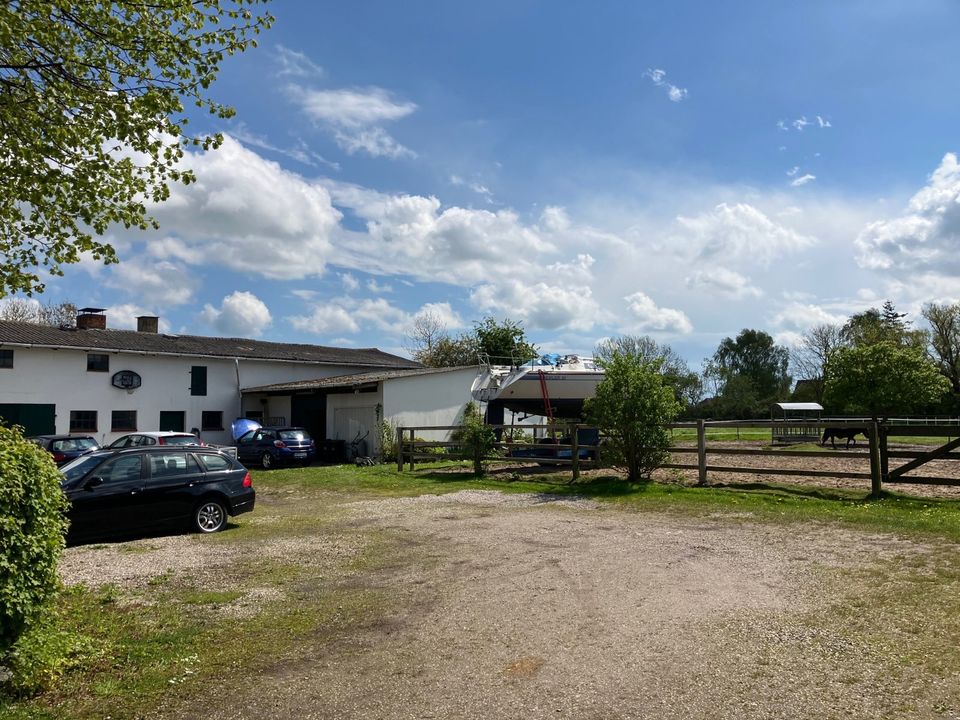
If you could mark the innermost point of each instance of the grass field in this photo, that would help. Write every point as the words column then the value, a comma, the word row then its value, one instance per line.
column 133, row 650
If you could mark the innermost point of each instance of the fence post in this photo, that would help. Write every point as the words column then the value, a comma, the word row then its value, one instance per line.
column 875, row 474
column 701, row 453
column 575, row 449
column 884, row 457
column 399, row 449
column 413, row 448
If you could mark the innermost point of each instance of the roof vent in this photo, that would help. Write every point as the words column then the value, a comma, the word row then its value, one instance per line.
column 148, row 324
column 90, row 318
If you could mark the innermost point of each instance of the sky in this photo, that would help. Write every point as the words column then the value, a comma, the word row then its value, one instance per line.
column 678, row 169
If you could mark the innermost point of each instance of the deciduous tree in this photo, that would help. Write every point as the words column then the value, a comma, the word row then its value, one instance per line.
column 945, row 339
column 882, row 379
column 93, row 99
column 675, row 371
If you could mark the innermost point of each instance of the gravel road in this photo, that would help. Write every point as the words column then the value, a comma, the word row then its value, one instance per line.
column 526, row 606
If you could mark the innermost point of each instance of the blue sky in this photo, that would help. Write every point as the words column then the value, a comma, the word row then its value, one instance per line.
column 681, row 170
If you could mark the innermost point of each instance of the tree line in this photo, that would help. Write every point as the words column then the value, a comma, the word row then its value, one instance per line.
column 875, row 363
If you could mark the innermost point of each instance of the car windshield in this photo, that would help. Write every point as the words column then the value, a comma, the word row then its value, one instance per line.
column 81, row 466
column 74, row 445
column 294, row 435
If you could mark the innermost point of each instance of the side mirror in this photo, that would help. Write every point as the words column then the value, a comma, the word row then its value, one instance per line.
column 93, row 482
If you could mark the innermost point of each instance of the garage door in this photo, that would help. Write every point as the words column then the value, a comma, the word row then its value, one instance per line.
column 35, row 418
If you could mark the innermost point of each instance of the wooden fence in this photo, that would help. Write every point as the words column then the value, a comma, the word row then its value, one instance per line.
column 878, row 471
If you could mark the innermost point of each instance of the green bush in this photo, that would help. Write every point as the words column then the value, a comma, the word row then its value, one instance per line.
column 32, row 528
column 474, row 436
column 631, row 406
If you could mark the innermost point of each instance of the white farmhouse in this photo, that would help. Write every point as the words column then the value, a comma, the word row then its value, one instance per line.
column 105, row 383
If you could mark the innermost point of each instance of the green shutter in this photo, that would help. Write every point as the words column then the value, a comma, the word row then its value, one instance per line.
column 198, row 380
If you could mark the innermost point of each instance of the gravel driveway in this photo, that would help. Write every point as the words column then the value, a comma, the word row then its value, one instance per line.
column 525, row 606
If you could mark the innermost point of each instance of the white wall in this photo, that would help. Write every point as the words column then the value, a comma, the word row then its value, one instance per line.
column 434, row 399
column 60, row 377
column 351, row 413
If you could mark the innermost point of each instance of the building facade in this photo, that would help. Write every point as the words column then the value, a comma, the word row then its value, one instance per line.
column 106, row 383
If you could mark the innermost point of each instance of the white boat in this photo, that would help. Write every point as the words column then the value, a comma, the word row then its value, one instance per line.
column 561, row 383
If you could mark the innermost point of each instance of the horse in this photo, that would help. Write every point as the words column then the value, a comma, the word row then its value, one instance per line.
column 850, row 434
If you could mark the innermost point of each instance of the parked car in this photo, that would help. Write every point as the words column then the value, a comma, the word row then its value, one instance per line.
column 163, row 437
column 128, row 489
column 65, row 448
column 272, row 446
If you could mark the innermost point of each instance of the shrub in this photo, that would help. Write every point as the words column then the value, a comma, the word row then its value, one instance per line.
column 32, row 527
column 631, row 406
column 475, row 437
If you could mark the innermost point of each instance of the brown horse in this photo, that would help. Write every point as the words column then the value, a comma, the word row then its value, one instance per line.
column 850, row 434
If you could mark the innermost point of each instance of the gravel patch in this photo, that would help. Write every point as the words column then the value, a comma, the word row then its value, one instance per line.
column 525, row 606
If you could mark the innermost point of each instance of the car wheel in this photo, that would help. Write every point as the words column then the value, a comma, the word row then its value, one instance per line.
column 266, row 460
column 210, row 516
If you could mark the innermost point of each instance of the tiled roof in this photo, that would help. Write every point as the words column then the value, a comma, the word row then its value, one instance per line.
column 351, row 380
column 21, row 333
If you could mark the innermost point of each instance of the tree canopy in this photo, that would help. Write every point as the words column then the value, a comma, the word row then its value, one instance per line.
column 93, row 120
column 676, row 373
column 882, row 379
column 748, row 373
column 944, row 322
column 882, row 325
column 501, row 341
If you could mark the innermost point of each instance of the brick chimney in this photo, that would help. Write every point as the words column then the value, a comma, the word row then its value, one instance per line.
column 148, row 324
column 91, row 319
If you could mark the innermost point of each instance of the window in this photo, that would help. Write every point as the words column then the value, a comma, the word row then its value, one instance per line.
column 215, row 462
column 211, row 420
column 6, row 358
column 172, row 420
column 198, row 380
column 83, row 421
column 98, row 362
column 173, row 463
column 123, row 420
column 123, row 469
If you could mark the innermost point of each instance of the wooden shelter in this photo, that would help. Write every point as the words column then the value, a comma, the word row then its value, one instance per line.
column 789, row 421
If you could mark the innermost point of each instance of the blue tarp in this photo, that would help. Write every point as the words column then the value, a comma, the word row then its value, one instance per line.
column 241, row 426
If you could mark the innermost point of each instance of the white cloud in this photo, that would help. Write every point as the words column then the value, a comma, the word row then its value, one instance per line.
column 801, row 316
column 443, row 312
column 241, row 314
column 657, row 77
column 925, row 238
column 800, row 123
column 743, row 232
column 724, row 282
column 645, row 316
column 378, row 289
column 555, row 219
column 375, row 141
column 349, row 282
column 248, row 214
column 156, row 282
column 803, row 180
column 326, row 319
column 823, row 122
column 295, row 64
column 124, row 317
column 355, row 116
column 300, row 152
column 539, row 305
column 793, row 171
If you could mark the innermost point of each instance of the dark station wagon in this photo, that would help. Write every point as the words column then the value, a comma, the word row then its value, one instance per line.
column 131, row 489
column 273, row 446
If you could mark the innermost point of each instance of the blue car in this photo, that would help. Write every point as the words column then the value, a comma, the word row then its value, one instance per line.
column 274, row 446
